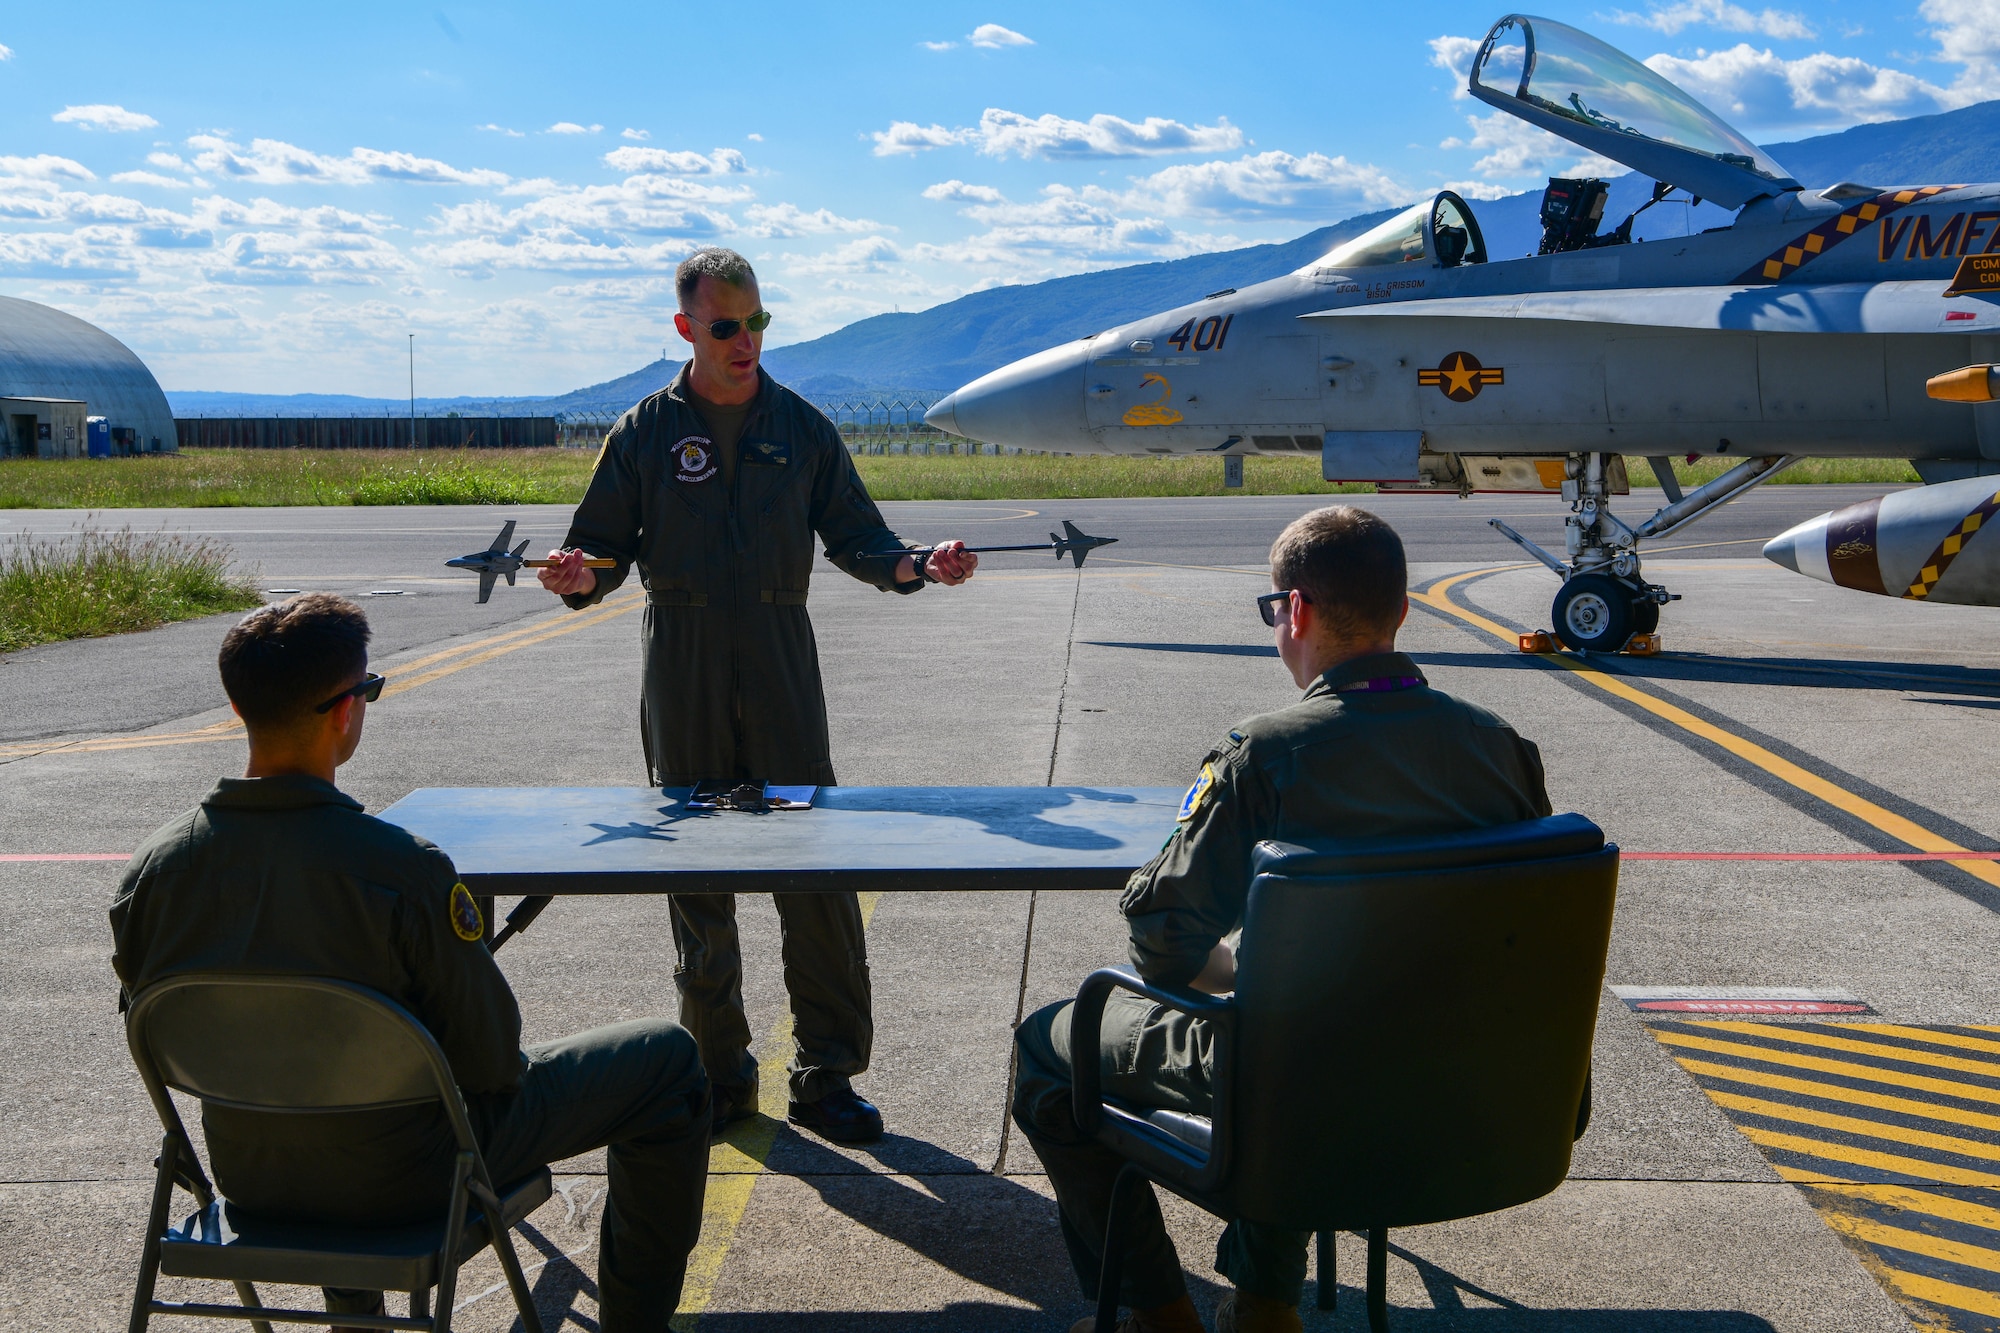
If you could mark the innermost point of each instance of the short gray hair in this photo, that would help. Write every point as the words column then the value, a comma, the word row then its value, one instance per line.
column 711, row 261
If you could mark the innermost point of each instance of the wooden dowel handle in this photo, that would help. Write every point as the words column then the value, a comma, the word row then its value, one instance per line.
column 594, row 562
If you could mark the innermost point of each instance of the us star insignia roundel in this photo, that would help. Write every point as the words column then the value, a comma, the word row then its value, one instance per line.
column 1196, row 794
column 466, row 922
column 1460, row 377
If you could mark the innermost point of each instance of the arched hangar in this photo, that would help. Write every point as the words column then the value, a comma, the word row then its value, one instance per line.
column 57, row 372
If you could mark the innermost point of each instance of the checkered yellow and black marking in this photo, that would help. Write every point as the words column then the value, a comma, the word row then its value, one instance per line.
column 1947, row 550
column 1789, row 258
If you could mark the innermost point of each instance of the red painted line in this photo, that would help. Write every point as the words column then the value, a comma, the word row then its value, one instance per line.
column 68, row 856
column 1809, row 856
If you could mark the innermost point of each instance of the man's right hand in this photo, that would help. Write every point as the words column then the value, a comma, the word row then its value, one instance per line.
column 567, row 576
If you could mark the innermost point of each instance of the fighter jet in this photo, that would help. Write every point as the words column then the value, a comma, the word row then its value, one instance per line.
column 495, row 561
column 1413, row 358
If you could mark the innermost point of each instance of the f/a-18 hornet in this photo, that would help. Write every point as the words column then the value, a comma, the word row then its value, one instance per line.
column 1412, row 358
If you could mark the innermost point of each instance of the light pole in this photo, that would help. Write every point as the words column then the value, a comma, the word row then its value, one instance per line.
column 413, row 391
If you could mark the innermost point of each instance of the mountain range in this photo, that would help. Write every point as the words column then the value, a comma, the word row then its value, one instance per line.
column 930, row 352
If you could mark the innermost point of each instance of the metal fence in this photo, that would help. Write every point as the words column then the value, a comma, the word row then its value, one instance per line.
column 867, row 425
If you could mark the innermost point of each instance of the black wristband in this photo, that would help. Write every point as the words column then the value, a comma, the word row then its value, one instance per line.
column 922, row 562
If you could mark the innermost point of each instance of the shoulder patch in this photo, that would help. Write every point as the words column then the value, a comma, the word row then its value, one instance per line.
column 1196, row 794
column 466, row 922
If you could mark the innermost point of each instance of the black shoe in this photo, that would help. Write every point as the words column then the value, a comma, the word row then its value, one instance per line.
column 725, row 1108
column 841, row 1116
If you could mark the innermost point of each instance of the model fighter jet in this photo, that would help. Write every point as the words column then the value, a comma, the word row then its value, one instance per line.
column 496, row 561
column 1413, row 358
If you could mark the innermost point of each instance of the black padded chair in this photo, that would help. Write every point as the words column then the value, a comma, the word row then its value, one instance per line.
column 1409, row 1041
column 304, row 1044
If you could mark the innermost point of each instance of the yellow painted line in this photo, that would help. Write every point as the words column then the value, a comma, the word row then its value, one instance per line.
column 1937, row 1038
column 581, row 623
column 1946, row 1206
column 1847, row 1124
column 736, row 1162
column 1796, row 1036
column 1843, row 1068
column 1881, row 1161
column 1932, row 1291
column 1913, row 1242
column 1904, row 830
column 1834, row 1092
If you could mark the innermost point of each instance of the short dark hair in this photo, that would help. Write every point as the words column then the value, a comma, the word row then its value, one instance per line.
column 282, row 660
column 711, row 261
column 1350, row 566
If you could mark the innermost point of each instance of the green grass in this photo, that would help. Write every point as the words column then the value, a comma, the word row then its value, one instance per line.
column 96, row 583
column 212, row 477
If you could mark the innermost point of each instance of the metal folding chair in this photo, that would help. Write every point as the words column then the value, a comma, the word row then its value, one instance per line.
column 1409, row 1041
column 292, row 1044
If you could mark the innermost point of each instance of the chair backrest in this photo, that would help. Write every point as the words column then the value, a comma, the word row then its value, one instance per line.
column 1414, row 1022
column 285, row 1043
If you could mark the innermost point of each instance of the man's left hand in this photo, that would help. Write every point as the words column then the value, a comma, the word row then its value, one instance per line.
column 949, row 563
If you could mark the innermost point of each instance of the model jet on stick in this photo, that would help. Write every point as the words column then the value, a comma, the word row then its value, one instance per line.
column 1074, row 543
column 1412, row 357
column 496, row 561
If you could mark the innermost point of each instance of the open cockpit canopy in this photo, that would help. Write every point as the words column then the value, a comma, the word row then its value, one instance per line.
column 1441, row 231
column 1597, row 97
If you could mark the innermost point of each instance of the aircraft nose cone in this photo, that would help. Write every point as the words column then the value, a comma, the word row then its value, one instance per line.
column 1802, row 550
column 940, row 416
column 1035, row 403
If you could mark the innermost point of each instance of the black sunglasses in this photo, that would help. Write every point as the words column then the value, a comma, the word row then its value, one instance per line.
column 725, row 329
column 368, row 691
column 1267, row 605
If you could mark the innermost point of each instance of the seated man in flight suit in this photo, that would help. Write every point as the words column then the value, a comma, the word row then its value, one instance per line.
column 1371, row 750
column 280, row 872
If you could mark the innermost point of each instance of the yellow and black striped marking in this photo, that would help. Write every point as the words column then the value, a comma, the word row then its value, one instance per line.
column 1788, row 259
column 1947, row 551
column 1891, row 1130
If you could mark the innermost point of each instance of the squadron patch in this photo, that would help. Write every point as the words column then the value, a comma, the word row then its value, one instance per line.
column 466, row 922
column 1196, row 794
column 696, row 463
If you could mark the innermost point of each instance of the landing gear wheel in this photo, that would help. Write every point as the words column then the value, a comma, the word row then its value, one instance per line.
column 1593, row 613
column 1645, row 616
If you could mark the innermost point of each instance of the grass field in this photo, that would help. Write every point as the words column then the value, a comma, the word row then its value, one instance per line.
column 111, row 583
column 228, row 477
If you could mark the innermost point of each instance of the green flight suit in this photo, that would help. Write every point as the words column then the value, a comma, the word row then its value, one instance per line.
column 287, row 875
column 1346, row 760
column 732, row 685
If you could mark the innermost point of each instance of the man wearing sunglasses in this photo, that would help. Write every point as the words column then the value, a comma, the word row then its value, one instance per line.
column 279, row 871
column 715, row 488
column 1371, row 750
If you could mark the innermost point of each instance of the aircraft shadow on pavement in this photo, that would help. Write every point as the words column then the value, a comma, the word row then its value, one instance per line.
column 1021, row 820
column 1214, row 649
column 1810, row 672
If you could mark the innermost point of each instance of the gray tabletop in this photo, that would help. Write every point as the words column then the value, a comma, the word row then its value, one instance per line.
column 561, row 840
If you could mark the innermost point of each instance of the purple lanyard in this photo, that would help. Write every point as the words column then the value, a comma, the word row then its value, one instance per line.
column 1380, row 684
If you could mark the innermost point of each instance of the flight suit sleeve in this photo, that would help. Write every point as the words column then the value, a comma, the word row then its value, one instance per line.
column 846, row 519
column 611, row 519
column 1534, row 780
column 457, row 990
column 1181, row 903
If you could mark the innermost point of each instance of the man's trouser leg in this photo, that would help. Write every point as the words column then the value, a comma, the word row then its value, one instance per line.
column 709, row 976
column 1149, row 1056
column 638, row 1088
column 826, row 975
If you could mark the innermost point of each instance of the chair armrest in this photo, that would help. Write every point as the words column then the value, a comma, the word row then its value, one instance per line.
column 1086, row 1024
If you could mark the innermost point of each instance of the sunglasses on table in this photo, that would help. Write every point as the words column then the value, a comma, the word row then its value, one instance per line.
column 722, row 330
column 1268, row 604
column 368, row 691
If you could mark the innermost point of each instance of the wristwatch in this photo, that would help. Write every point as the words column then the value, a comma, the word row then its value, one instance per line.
column 922, row 561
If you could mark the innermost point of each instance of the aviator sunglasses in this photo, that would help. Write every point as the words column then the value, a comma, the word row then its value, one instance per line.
column 722, row 330
column 1268, row 604
column 368, row 691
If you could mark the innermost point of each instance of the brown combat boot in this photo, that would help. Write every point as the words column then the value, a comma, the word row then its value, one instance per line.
column 1241, row 1312
column 1175, row 1317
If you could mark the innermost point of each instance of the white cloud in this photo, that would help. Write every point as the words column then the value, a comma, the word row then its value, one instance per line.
column 152, row 178
column 754, row 138
column 490, row 128
column 1002, row 133
column 1762, row 91
column 99, row 116
column 991, row 36
column 6, row 52
column 638, row 136
column 1720, row 14
column 273, row 162
column 786, row 220
column 45, row 167
column 1514, row 148
column 666, row 161
column 957, row 191
column 171, row 161
column 1968, row 35
column 869, row 254
column 1269, row 183
column 1454, row 56
column 937, row 46
column 571, row 127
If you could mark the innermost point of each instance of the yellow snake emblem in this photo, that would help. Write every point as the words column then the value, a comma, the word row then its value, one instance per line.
column 1155, row 413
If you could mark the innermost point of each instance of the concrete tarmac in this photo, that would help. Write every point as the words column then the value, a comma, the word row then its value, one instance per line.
column 1788, row 718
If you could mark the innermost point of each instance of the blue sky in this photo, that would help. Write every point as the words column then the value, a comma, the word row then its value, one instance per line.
column 270, row 198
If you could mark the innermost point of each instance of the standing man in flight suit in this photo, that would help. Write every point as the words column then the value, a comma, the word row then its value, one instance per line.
column 715, row 487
